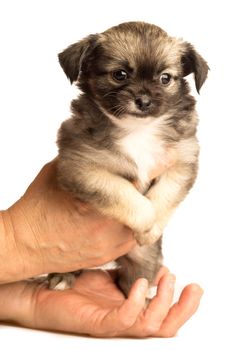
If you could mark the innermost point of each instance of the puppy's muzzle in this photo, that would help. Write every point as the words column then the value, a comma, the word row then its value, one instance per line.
column 143, row 103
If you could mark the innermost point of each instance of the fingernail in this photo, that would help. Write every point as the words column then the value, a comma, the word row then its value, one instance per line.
column 144, row 283
column 197, row 289
column 171, row 282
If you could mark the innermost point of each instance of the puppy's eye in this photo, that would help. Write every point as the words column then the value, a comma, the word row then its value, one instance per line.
column 165, row 78
column 120, row 75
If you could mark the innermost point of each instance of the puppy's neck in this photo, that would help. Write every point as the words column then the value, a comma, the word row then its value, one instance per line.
column 131, row 122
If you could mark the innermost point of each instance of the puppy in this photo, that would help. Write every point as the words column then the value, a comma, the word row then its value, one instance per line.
column 135, row 111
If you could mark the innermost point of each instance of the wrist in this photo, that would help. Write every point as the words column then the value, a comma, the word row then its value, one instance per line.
column 9, row 255
column 16, row 302
column 17, row 251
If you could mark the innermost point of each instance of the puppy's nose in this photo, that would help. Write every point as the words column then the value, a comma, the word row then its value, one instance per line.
column 143, row 102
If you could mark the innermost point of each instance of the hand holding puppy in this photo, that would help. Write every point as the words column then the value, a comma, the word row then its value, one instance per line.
column 95, row 294
column 54, row 232
column 54, row 245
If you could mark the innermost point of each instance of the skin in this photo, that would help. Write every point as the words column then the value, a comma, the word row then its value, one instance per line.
column 48, row 231
column 96, row 307
column 33, row 242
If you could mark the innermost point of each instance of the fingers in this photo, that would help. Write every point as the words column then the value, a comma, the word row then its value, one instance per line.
column 123, row 317
column 157, row 310
column 159, row 306
column 162, row 320
column 181, row 311
column 135, row 303
column 163, row 270
column 152, row 318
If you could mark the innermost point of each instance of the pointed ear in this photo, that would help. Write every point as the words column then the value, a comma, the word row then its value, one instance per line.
column 192, row 62
column 73, row 58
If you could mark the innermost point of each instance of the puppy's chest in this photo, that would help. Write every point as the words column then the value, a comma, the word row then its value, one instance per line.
column 144, row 146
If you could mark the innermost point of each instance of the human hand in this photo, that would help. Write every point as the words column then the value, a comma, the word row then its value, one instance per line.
column 47, row 230
column 53, row 232
column 95, row 306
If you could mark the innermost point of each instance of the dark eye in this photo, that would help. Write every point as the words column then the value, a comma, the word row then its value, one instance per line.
column 120, row 75
column 165, row 78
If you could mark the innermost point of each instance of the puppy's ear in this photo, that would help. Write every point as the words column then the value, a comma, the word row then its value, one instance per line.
column 73, row 58
column 192, row 62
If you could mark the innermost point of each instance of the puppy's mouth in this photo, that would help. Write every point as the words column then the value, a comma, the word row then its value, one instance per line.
column 135, row 108
column 140, row 114
column 140, row 108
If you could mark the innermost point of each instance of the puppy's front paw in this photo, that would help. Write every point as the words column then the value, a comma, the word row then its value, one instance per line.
column 61, row 281
column 148, row 237
column 143, row 218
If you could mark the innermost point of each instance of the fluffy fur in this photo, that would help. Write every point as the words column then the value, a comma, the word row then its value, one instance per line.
column 135, row 110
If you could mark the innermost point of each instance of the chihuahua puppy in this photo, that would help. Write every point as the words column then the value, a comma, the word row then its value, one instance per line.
column 134, row 112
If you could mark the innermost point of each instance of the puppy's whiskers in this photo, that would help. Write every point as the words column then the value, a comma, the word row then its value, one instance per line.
column 118, row 110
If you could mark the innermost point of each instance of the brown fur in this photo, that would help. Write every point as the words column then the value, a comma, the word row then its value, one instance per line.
column 92, row 162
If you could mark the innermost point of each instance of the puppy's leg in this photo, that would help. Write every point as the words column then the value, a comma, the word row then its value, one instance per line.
column 140, row 262
column 167, row 193
column 113, row 196
column 61, row 281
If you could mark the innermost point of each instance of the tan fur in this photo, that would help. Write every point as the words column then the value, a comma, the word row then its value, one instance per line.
column 111, row 145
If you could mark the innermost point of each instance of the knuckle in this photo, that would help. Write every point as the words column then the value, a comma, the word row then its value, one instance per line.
column 168, row 333
column 127, row 316
column 126, row 322
column 150, row 329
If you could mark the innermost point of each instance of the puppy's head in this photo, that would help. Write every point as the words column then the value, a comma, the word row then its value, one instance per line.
column 134, row 68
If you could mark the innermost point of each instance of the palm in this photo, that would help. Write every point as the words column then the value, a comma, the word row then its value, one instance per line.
column 91, row 302
column 96, row 306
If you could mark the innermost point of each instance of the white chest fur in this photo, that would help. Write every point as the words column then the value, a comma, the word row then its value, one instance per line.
column 142, row 143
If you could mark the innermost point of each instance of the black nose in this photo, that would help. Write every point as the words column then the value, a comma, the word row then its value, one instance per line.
column 143, row 102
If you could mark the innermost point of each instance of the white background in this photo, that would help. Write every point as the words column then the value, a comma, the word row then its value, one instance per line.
column 34, row 99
